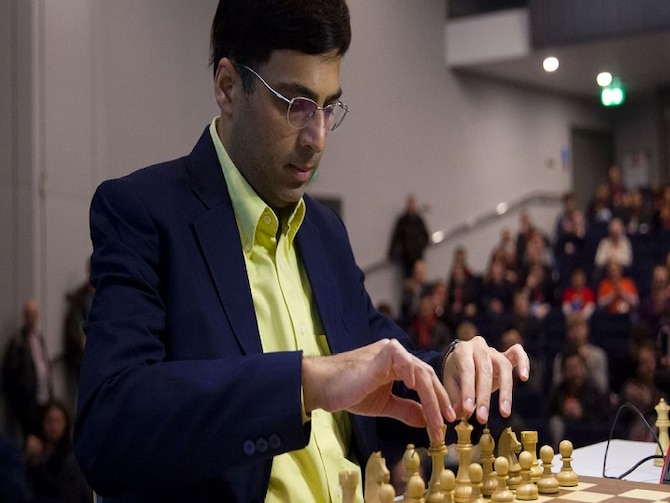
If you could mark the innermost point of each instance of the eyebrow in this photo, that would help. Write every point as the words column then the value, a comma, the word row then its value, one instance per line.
column 298, row 89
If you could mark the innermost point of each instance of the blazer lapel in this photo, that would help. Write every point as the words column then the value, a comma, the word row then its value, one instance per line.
column 219, row 239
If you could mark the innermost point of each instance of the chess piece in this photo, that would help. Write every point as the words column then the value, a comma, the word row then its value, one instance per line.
column 567, row 476
column 486, row 447
column 527, row 489
column 447, row 483
column 548, row 484
column 414, row 483
column 348, row 483
column 529, row 441
column 662, row 424
column 475, row 474
column 502, row 494
column 437, row 451
column 463, row 448
column 508, row 446
column 377, row 476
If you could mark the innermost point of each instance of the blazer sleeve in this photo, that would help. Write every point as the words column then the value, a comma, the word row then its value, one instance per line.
column 148, row 416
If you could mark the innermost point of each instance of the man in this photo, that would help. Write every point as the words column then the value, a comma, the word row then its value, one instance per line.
column 232, row 351
column 409, row 238
column 26, row 373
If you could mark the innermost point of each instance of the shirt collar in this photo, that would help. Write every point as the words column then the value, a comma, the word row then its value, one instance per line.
column 249, row 208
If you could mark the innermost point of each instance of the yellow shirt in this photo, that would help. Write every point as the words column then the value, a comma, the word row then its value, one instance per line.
column 287, row 321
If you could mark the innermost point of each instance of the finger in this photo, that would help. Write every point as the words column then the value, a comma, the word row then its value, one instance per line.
column 463, row 363
column 503, row 370
column 483, row 383
column 406, row 410
column 519, row 359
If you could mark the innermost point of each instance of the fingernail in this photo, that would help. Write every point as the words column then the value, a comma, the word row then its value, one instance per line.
column 469, row 404
column 506, row 407
column 483, row 411
column 524, row 373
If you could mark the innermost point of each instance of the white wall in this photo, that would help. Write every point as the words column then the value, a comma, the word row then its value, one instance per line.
column 122, row 84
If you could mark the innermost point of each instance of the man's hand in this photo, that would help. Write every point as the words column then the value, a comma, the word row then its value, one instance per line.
column 474, row 370
column 360, row 381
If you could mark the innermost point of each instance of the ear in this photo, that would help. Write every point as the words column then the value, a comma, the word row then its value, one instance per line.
column 224, row 85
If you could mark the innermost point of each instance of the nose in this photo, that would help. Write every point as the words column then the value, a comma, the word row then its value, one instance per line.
column 314, row 134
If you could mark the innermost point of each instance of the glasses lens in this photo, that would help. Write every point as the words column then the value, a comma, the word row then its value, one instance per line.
column 300, row 112
column 335, row 115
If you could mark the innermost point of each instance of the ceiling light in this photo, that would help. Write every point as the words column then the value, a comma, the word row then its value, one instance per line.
column 604, row 79
column 550, row 64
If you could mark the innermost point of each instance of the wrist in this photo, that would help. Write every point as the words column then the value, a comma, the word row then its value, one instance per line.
column 447, row 353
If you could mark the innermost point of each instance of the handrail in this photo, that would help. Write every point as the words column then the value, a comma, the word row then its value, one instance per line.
column 501, row 209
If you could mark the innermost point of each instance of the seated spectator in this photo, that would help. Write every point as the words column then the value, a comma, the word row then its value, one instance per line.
column 525, row 250
column 505, row 251
column 426, row 330
column 640, row 215
column 617, row 294
column 460, row 259
column 641, row 392
column 526, row 323
column 539, row 286
column 655, row 306
column 462, row 296
column 615, row 182
column 412, row 288
column 496, row 290
column 52, row 471
column 575, row 402
column 615, row 246
column 662, row 209
column 599, row 209
column 569, row 245
column 578, row 297
column 594, row 358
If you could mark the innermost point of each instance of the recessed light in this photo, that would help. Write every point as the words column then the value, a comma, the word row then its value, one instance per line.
column 550, row 64
column 604, row 79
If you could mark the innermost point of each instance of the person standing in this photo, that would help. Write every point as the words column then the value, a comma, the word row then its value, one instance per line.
column 409, row 238
column 26, row 373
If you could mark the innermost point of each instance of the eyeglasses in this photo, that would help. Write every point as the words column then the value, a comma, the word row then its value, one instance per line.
column 302, row 110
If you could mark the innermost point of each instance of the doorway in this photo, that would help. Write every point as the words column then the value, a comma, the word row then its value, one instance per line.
column 592, row 154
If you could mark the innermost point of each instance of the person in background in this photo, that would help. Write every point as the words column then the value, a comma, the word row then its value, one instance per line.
column 655, row 306
column 412, row 288
column 52, row 471
column 409, row 238
column 617, row 294
column 575, row 402
column 462, row 294
column 615, row 246
column 232, row 351
column 579, row 296
column 26, row 373
column 595, row 358
column 427, row 330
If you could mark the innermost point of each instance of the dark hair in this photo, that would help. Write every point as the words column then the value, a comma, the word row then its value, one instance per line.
column 247, row 31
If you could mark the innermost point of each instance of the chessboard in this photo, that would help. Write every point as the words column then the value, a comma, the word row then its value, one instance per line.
column 519, row 472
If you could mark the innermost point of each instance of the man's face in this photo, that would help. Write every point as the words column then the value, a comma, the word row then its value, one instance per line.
column 276, row 159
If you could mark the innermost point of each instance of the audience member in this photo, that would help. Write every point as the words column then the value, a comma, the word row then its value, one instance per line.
column 531, row 246
column 662, row 209
column 539, row 287
column 655, row 306
column 614, row 246
column 569, row 246
column 615, row 183
column 426, row 330
column 409, row 238
column 74, row 339
column 460, row 259
column 462, row 296
column 617, row 294
column 466, row 330
column 578, row 297
column 52, row 471
column 594, row 358
column 640, row 215
column 505, row 251
column 26, row 373
column 599, row 209
column 641, row 392
column 575, row 402
column 526, row 323
column 412, row 289
column 496, row 290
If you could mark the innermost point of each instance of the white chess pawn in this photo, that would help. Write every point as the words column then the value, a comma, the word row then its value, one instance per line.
column 567, row 476
column 548, row 484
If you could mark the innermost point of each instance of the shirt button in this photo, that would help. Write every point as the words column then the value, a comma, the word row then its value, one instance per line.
column 261, row 445
column 267, row 220
column 249, row 447
column 247, row 246
column 274, row 441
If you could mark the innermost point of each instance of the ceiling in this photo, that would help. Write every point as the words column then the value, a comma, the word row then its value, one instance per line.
column 641, row 62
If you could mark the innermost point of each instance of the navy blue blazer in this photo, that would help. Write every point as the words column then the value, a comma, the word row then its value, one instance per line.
column 177, row 401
